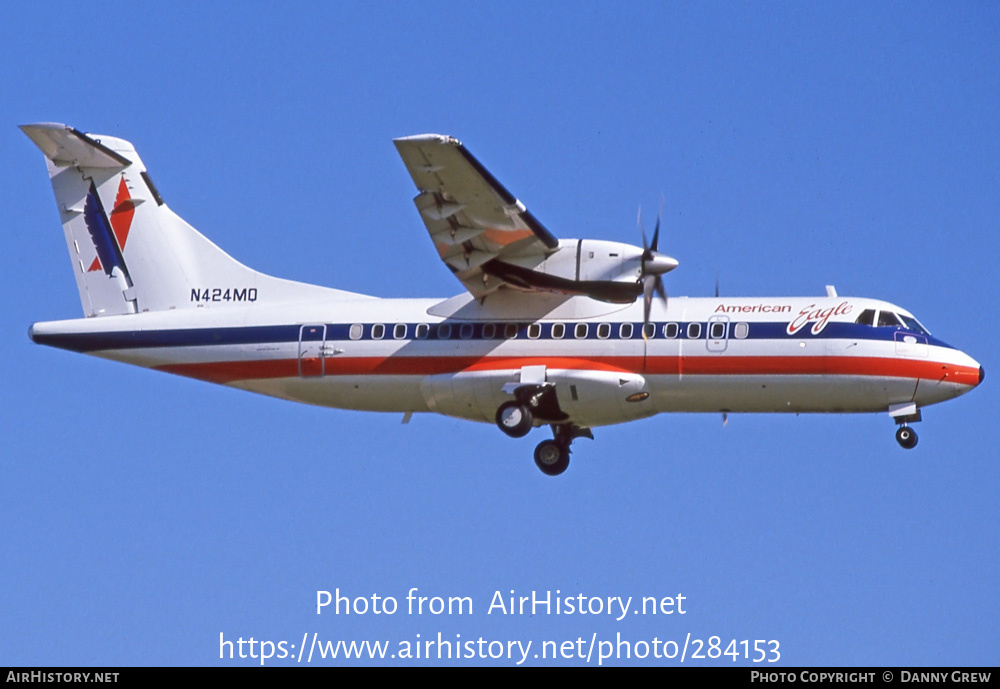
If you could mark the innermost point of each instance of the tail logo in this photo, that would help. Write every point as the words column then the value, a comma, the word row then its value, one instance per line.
column 121, row 214
column 109, row 236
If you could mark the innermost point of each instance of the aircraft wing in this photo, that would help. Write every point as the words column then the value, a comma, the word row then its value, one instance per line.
column 471, row 217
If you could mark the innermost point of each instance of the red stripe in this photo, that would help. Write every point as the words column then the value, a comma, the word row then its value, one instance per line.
column 230, row 371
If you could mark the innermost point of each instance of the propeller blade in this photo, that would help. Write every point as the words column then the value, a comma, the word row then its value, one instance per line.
column 652, row 285
column 642, row 230
column 660, row 290
column 648, row 288
column 656, row 232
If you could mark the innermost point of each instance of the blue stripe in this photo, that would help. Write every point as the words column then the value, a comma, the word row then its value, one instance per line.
column 140, row 339
column 277, row 334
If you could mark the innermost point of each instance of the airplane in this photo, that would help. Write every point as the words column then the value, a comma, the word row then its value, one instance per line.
column 567, row 333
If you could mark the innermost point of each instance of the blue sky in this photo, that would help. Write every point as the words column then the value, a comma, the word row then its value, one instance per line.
column 796, row 145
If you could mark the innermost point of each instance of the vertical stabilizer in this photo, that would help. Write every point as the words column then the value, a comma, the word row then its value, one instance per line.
column 130, row 252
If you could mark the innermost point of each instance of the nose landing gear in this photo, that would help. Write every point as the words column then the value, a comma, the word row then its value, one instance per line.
column 905, row 414
column 906, row 437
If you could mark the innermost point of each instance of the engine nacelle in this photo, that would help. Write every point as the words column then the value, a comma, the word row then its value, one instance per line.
column 608, row 271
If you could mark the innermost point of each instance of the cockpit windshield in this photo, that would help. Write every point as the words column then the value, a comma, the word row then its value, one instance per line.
column 890, row 319
column 914, row 325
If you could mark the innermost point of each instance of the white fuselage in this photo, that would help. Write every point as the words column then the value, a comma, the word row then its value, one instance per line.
column 455, row 357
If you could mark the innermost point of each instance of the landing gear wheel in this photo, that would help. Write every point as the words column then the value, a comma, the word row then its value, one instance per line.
column 514, row 419
column 551, row 457
column 906, row 437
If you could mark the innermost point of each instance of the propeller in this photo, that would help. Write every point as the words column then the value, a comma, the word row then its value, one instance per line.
column 654, row 265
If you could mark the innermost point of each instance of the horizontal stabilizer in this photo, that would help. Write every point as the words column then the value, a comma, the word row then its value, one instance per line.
column 64, row 146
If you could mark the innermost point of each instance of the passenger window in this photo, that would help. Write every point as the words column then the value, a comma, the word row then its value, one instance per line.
column 741, row 331
column 465, row 332
column 649, row 330
column 534, row 331
column 558, row 331
column 422, row 331
column 489, row 331
column 867, row 317
column 604, row 331
column 356, row 331
column 510, row 331
column 580, row 331
column 670, row 330
column 444, row 331
column 718, row 330
column 399, row 331
column 694, row 331
column 378, row 331
column 625, row 332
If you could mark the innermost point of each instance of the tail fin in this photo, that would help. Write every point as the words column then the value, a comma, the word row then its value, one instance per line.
column 141, row 256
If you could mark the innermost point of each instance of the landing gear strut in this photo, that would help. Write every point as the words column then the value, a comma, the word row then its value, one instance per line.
column 906, row 437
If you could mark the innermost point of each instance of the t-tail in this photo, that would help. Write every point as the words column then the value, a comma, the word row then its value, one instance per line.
column 130, row 252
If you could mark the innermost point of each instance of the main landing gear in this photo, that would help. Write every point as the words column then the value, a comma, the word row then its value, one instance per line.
column 515, row 419
column 552, row 456
column 538, row 403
